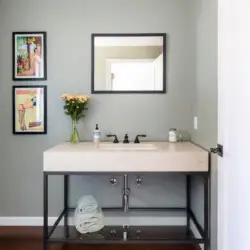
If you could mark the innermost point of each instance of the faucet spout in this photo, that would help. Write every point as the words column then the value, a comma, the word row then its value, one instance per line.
column 137, row 138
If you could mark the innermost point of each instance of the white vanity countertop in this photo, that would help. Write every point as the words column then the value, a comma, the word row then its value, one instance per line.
column 151, row 157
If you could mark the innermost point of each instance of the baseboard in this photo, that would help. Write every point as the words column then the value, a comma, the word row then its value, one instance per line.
column 196, row 233
column 24, row 221
column 38, row 221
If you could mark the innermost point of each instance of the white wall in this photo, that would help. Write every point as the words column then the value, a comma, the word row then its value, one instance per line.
column 116, row 52
column 234, row 109
column 158, row 71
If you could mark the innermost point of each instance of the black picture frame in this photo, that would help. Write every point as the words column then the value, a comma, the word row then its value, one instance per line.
column 40, row 59
column 19, row 109
column 94, row 35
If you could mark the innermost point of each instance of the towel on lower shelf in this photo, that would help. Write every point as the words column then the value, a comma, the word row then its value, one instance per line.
column 89, row 222
column 88, row 217
column 86, row 204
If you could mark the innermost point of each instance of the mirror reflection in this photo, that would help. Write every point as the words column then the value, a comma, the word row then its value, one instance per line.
column 128, row 63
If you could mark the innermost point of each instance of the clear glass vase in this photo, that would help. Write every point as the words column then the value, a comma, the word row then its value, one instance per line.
column 75, row 138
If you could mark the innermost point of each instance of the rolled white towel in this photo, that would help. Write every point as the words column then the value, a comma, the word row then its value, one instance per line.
column 86, row 204
column 85, row 216
column 89, row 222
column 88, row 226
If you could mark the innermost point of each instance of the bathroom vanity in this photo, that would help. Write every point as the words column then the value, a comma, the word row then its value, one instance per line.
column 145, row 158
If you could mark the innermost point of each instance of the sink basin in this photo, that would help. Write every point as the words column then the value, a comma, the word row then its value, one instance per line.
column 127, row 147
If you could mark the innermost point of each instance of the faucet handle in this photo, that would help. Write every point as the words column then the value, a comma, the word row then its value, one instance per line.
column 115, row 140
column 126, row 139
column 137, row 138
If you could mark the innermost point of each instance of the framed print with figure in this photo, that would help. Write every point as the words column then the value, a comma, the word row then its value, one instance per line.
column 29, row 56
column 30, row 109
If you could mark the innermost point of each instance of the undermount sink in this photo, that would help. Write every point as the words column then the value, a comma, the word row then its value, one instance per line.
column 127, row 146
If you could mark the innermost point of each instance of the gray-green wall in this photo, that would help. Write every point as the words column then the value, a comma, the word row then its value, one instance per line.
column 69, row 25
column 191, row 84
column 205, row 23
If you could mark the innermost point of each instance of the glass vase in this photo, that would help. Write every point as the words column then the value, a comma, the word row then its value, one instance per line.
column 75, row 138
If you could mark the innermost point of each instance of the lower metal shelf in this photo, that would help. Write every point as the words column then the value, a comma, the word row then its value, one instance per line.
column 135, row 234
column 143, row 232
column 151, row 228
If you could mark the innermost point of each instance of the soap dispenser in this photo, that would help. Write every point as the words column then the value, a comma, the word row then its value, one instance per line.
column 96, row 134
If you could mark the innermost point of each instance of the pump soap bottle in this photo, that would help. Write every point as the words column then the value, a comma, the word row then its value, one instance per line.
column 96, row 134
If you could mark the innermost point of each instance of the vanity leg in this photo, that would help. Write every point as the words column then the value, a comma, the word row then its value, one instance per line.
column 206, row 213
column 188, row 198
column 66, row 205
column 45, row 212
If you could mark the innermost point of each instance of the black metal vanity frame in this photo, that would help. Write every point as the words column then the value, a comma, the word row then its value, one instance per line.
column 190, row 216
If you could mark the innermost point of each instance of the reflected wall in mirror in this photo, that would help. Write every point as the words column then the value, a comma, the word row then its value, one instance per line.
column 128, row 63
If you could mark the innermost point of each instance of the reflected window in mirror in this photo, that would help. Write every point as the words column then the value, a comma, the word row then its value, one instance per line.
column 128, row 63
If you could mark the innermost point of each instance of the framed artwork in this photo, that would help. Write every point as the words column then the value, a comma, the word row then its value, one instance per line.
column 30, row 109
column 29, row 56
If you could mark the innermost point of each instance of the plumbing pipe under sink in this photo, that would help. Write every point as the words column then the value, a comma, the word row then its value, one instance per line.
column 126, row 191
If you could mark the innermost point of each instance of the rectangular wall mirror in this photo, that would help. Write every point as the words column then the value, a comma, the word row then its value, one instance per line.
column 128, row 63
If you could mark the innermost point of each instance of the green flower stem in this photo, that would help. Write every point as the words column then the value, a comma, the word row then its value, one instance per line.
column 75, row 138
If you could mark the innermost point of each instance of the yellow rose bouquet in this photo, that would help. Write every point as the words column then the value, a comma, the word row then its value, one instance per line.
column 73, row 107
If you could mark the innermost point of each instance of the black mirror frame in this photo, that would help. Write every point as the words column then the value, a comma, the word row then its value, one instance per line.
column 93, row 91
